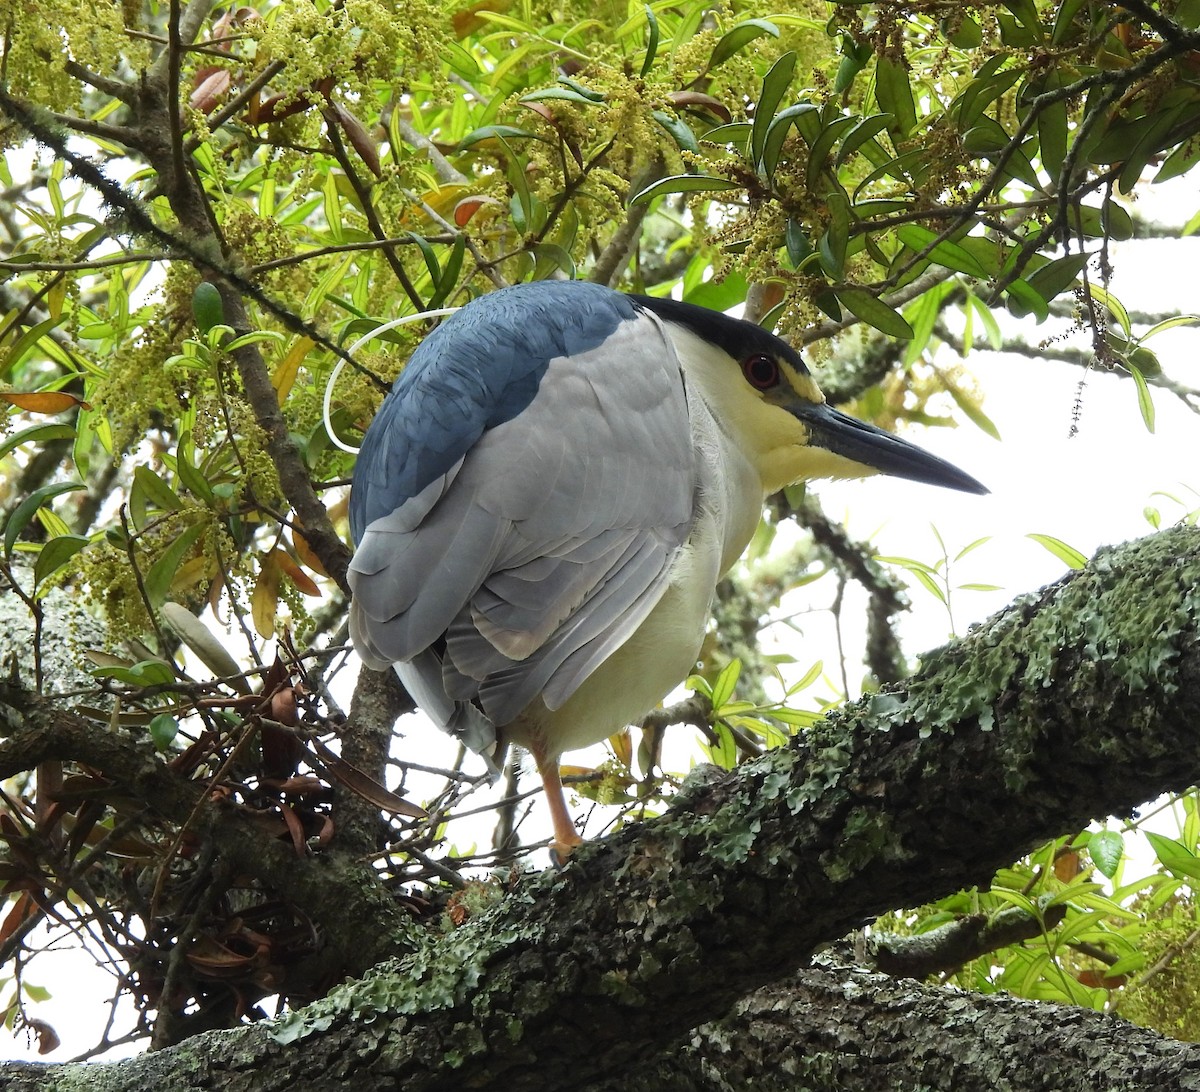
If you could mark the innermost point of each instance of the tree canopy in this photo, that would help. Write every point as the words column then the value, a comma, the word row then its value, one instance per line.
column 224, row 230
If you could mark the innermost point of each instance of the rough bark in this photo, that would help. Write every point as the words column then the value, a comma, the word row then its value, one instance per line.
column 836, row 1028
column 1078, row 701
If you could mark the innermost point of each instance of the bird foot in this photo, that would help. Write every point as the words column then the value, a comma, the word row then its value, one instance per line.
column 560, row 851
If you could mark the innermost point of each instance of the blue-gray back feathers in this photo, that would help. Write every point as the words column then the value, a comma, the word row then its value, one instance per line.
column 509, row 535
column 480, row 368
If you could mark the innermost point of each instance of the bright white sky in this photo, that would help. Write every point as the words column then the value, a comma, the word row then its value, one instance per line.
column 1088, row 491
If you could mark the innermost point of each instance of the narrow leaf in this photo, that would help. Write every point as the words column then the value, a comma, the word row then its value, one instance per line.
column 776, row 134
column 284, row 376
column 893, row 93
column 860, row 134
column 873, row 311
column 494, row 132
column 652, row 41
column 775, row 84
column 737, row 38
column 946, row 253
column 726, row 682
column 35, row 434
column 162, row 572
column 161, row 494
column 1145, row 402
column 684, row 183
column 679, row 129
column 265, row 598
column 26, row 510
column 55, row 554
column 1068, row 555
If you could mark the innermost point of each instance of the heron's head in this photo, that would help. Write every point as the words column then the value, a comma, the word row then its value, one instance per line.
column 764, row 398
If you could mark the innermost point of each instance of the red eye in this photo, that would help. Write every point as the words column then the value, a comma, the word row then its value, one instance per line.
column 761, row 371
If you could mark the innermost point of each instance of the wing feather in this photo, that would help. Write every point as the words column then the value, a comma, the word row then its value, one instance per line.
column 549, row 543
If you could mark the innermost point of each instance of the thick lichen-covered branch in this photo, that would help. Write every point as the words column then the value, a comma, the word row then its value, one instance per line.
column 1077, row 701
column 795, row 1034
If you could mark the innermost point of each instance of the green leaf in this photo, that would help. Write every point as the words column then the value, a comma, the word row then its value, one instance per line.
column 582, row 89
column 724, row 686
column 948, row 254
column 872, row 310
column 719, row 295
column 827, row 301
column 1175, row 857
column 143, row 673
column 1068, row 555
column 1145, row 402
column 158, row 580
column 1063, row 20
column 860, row 134
column 896, row 168
column 27, row 341
column 836, row 237
column 1023, row 300
column 775, row 85
column 893, row 93
column 55, row 554
column 551, row 257
column 1057, row 276
column 973, row 411
column 796, row 239
column 980, row 93
column 965, row 33
column 27, row 509
column 1027, row 15
column 1106, row 848
column 723, row 753
column 1115, row 307
column 1180, row 161
column 736, row 133
column 427, row 253
column 1052, row 131
column 35, row 434
column 496, row 132
column 777, row 133
column 684, row 183
column 738, row 37
column 450, row 273
column 163, row 730
column 149, row 484
column 1170, row 324
column 823, row 145
column 207, row 307
column 1155, row 135
column 566, row 94
column 679, row 129
column 652, row 41
column 193, row 481
column 988, row 138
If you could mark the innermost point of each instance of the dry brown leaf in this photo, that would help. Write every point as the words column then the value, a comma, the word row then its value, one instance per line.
column 365, row 785
column 265, row 597
column 43, row 401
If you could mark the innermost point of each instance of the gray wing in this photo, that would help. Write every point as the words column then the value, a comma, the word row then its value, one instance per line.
column 542, row 550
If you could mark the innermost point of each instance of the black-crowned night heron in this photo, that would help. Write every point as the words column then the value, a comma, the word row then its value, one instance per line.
column 548, row 496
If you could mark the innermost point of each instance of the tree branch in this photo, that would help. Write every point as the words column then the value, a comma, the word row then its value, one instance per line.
column 796, row 1034
column 664, row 926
